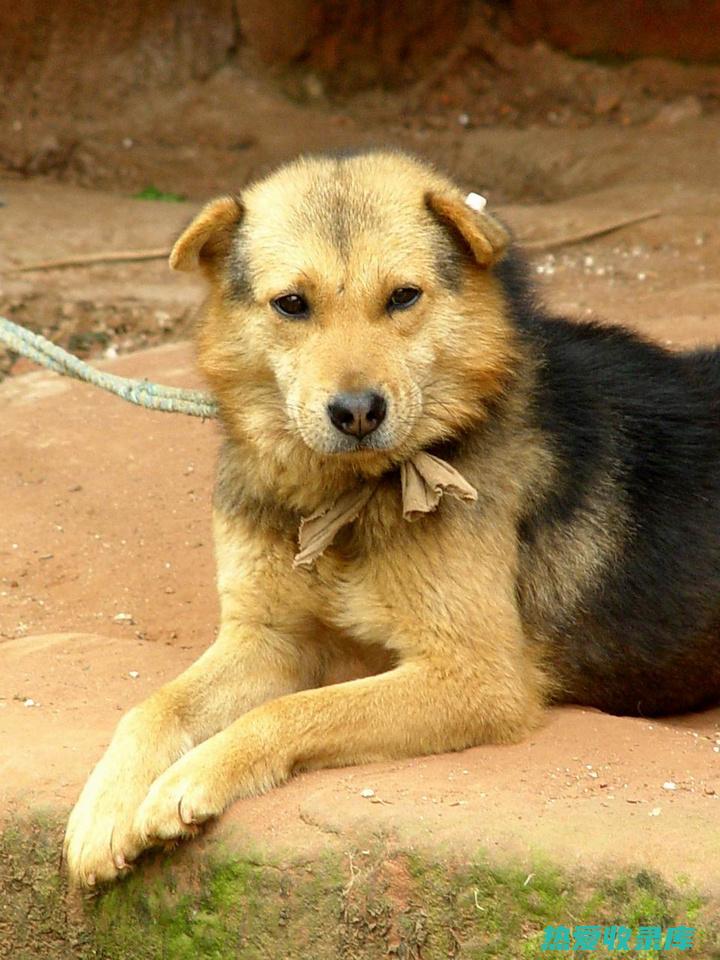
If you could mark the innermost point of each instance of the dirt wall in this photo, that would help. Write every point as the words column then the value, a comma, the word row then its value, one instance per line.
column 677, row 29
column 65, row 51
column 59, row 49
column 356, row 41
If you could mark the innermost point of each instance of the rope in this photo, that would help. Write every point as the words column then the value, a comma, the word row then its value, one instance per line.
column 153, row 396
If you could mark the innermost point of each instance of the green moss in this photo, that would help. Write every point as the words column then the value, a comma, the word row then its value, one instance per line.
column 152, row 193
column 368, row 904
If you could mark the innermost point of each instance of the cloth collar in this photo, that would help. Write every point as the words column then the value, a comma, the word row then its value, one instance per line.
column 424, row 479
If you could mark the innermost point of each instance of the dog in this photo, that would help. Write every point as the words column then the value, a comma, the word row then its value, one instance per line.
column 481, row 507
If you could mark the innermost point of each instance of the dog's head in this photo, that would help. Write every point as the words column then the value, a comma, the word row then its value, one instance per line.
column 353, row 308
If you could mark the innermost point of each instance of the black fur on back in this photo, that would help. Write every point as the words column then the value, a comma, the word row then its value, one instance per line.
column 616, row 409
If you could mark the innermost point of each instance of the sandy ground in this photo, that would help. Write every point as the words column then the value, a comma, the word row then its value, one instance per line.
column 106, row 570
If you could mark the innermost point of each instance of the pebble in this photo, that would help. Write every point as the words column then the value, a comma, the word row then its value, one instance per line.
column 671, row 114
column 367, row 793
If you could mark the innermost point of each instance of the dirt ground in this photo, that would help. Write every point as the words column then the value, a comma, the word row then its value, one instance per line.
column 106, row 570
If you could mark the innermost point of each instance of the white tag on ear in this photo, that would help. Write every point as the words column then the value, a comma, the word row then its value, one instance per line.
column 476, row 202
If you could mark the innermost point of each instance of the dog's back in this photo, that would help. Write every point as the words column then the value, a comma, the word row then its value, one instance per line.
column 635, row 432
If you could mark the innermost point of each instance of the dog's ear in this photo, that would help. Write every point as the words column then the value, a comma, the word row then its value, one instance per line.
column 208, row 239
column 480, row 235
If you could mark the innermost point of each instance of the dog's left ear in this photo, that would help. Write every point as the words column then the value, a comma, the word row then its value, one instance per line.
column 206, row 242
column 482, row 236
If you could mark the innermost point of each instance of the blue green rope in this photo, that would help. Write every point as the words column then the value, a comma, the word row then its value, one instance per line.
column 153, row 396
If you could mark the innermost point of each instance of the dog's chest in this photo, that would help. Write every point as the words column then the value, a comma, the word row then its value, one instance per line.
column 374, row 578
column 345, row 597
column 352, row 583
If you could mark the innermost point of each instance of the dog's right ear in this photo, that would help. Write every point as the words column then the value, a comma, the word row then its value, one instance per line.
column 206, row 242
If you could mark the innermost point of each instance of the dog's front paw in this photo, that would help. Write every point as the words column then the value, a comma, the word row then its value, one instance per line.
column 180, row 800
column 204, row 782
column 100, row 840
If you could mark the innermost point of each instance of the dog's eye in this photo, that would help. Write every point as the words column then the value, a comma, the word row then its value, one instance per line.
column 403, row 297
column 291, row 305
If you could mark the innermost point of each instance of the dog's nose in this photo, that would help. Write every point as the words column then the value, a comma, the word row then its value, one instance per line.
column 357, row 414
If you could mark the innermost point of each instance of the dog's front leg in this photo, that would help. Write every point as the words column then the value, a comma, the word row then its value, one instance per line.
column 423, row 706
column 249, row 663
column 244, row 667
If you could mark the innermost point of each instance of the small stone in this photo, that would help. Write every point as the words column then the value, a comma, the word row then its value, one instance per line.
column 606, row 101
column 134, row 674
column 314, row 86
column 655, row 812
column 669, row 785
column 123, row 618
column 367, row 793
column 687, row 108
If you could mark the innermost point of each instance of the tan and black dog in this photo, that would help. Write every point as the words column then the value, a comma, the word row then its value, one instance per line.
column 372, row 342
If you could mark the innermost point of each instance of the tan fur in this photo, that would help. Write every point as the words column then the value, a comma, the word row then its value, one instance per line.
column 209, row 236
column 426, row 610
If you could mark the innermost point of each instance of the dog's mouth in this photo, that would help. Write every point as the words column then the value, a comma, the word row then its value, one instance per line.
column 348, row 446
column 355, row 446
